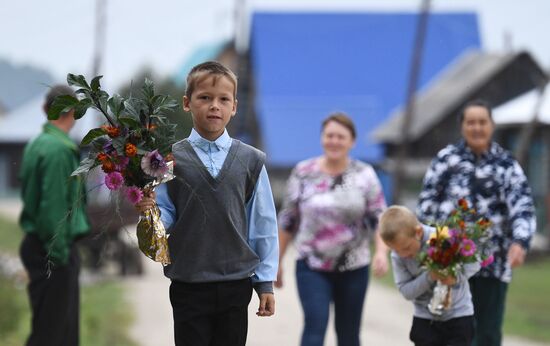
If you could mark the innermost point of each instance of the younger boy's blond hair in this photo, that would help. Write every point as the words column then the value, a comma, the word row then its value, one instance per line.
column 209, row 68
column 397, row 220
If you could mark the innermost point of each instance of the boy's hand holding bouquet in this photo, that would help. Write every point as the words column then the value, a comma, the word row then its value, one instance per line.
column 133, row 148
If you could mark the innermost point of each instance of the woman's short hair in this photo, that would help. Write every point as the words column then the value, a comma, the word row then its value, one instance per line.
column 342, row 119
column 475, row 103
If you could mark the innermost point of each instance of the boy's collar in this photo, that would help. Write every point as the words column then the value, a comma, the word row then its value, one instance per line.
column 223, row 141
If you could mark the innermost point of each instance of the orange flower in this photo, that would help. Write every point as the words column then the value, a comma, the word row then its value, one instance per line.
column 102, row 157
column 152, row 127
column 112, row 131
column 484, row 223
column 461, row 224
column 108, row 166
column 463, row 204
column 130, row 150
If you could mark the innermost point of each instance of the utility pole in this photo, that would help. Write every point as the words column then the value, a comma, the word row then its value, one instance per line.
column 99, row 36
column 416, row 65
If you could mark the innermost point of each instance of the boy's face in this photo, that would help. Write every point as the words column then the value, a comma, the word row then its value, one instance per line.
column 212, row 105
column 406, row 246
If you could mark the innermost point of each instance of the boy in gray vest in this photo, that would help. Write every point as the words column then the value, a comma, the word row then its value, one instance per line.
column 220, row 217
column 401, row 231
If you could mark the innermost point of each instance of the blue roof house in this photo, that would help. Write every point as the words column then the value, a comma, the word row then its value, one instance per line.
column 307, row 65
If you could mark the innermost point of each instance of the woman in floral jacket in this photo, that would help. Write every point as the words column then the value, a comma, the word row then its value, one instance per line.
column 492, row 181
column 332, row 202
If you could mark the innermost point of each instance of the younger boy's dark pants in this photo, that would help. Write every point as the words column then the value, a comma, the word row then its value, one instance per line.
column 211, row 314
column 54, row 296
column 454, row 332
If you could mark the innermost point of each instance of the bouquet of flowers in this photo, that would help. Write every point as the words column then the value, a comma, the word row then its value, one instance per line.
column 132, row 147
column 460, row 240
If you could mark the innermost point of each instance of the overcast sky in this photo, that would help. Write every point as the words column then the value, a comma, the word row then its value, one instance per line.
column 58, row 35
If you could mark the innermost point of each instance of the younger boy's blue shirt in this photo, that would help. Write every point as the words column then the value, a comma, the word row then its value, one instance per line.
column 262, row 223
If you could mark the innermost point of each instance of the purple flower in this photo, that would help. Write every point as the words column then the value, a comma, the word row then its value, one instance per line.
column 487, row 261
column 121, row 162
column 468, row 248
column 108, row 148
column 114, row 180
column 454, row 233
column 153, row 164
column 134, row 194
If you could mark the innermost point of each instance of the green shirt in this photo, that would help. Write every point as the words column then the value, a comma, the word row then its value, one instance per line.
column 53, row 201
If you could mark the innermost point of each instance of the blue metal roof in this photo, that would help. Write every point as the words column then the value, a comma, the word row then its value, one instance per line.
column 308, row 65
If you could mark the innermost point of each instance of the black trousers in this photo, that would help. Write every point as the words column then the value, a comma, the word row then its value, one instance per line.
column 211, row 314
column 53, row 294
column 454, row 332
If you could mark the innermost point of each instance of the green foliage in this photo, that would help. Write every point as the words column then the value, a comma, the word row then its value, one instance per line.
column 105, row 315
column 528, row 307
column 165, row 86
column 13, row 306
column 10, row 236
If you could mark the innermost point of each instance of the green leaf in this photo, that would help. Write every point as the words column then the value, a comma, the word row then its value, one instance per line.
column 81, row 108
column 163, row 103
column 91, row 135
column 77, row 80
column 118, row 144
column 130, row 122
column 99, row 142
column 95, row 83
column 61, row 104
column 148, row 89
column 134, row 106
column 84, row 166
column 116, row 105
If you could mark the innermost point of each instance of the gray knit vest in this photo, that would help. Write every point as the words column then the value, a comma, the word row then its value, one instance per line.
column 208, row 241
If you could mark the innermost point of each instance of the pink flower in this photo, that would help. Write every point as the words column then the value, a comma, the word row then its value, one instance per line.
column 153, row 164
column 134, row 194
column 114, row 180
column 468, row 248
column 487, row 261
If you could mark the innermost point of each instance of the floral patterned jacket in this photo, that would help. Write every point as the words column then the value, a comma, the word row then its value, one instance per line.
column 330, row 216
column 494, row 184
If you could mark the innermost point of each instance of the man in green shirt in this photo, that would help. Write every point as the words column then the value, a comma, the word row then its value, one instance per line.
column 53, row 218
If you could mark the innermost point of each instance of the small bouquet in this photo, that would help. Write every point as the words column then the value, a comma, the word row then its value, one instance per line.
column 133, row 148
column 460, row 240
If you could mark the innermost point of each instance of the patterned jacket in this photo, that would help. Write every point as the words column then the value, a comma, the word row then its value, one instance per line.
column 494, row 184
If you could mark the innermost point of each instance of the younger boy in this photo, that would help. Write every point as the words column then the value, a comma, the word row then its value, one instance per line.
column 402, row 232
column 220, row 216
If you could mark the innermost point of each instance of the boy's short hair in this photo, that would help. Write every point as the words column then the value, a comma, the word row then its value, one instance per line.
column 55, row 91
column 205, row 70
column 397, row 220
column 342, row 119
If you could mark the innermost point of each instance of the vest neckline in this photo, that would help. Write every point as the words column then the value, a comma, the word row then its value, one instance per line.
column 213, row 181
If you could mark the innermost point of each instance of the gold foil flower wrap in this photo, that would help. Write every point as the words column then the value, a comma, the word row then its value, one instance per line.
column 152, row 237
